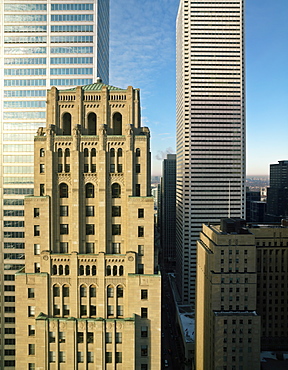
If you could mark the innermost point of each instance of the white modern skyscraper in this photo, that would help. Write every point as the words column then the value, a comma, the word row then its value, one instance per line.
column 43, row 43
column 210, row 124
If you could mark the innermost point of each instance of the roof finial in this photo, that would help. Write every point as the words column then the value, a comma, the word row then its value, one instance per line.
column 99, row 80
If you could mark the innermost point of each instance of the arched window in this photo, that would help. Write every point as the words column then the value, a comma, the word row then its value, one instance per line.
column 108, row 270
column 137, row 152
column 66, row 290
column 67, row 270
column 60, row 270
column 115, row 270
column 110, row 291
column 56, row 290
column 63, row 190
column 93, row 270
column 89, row 190
column 92, row 124
column 60, row 153
column 120, row 152
column 117, row 124
column 121, row 270
column 92, row 291
column 112, row 152
column 42, row 152
column 81, row 270
column 66, row 124
column 83, row 291
column 86, row 153
column 87, row 270
column 67, row 152
column 54, row 270
column 116, row 190
column 93, row 152
column 120, row 291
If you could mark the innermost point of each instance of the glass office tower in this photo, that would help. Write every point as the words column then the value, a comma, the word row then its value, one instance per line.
column 210, row 124
column 43, row 43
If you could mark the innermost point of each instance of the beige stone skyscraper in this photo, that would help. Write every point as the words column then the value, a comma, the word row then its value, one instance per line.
column 89, row 295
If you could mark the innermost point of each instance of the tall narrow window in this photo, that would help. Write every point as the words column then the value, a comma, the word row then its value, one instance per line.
column 89, row 190
column 117, row 124
column 66, row 124
column 92, row 124
column 63, row 190
column 116, row 190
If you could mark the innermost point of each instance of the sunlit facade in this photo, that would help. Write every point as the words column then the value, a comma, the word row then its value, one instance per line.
column 210, row 124
column 43, row 43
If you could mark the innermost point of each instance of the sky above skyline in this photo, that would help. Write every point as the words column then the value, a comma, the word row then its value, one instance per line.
column 142, row 54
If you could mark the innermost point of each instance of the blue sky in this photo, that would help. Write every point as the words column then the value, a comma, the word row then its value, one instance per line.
column 142, row 54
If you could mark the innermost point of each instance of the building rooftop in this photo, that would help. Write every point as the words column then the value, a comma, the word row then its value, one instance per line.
column 97, row 86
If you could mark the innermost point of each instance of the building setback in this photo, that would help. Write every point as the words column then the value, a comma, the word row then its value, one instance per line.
column 210, row 114
column 89, row 295
column 42, row 44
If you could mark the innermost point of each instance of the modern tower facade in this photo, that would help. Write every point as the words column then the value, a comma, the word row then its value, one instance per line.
column 168, row 208
column 89, row 296
column 42, row 43
column 277, row 193
column 210, row 124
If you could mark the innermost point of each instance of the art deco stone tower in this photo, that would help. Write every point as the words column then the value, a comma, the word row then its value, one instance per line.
column 89, row 296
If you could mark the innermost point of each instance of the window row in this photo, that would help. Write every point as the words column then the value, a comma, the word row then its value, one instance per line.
column 72, row 39
column 24, row 93
column 25, row 72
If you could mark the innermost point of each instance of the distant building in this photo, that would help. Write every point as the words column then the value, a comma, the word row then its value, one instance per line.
column 257, row 211
column 277, row 193
column 89, row 296
column 241, row 277
column 168, row 208
column 251, row 196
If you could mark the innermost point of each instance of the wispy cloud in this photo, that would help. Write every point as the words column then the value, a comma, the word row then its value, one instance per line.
column 141, row 40
column 163, row 154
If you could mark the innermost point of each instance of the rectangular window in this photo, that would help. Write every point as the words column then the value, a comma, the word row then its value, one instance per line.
column 60, row 167
column 80, row 357
column 108, row 357
column 56, row 309
column 90, row 337
column 110, row 292
column 66, row 310
column 86, row 168
column 90, row 357
column 36, row 212
column 89, row 211
column 42, row 168
column 63, row 211
column 118, row 358
column 116, row 248
column 36, row 249
column 64, row 229
column 90, row 229
column 83, row 310
column 89, row 247
column 31, row 311
column 42, row 189
column 144, row 312
column 31, row 349
column 137, row 168
column 112, row 167
column 67, row 168
column 144, row 331
column 120, row 310
column 108, row 337
column 144, row 350
column 80, row 337
column 137, row 190
column 110, row 310
column 140, row 231
column 141, row 250
column 36, row 230
column 62, row 337
column 31, row 330
column 144, row 294
column 37, row 267
column 63, row 247
column 116, row 229
column 140, row 212
column 31, row 366
column 92, row 310
column 62, row 357
column 116, row 211
column 52, row 356
column 140, row 268
column 119, row 168
column 118, row 337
